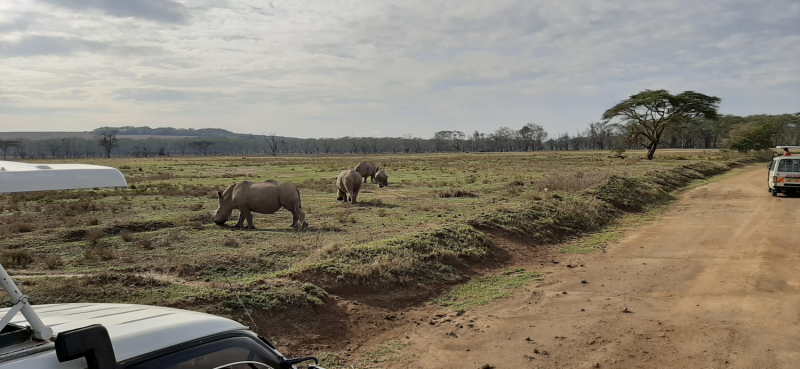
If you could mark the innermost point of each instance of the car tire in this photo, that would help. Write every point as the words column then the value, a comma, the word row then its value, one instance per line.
column 774, row 193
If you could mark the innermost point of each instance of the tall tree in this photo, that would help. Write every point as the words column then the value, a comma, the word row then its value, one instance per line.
column 7, row 144
column 108, row 141
column 751, row 136
column 648, row 114
column 272, row 141
column 201, row 146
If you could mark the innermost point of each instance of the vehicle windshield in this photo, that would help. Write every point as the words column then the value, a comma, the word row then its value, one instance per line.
column 789, row 165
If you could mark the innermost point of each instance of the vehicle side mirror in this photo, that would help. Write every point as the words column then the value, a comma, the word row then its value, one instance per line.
column 91, row 342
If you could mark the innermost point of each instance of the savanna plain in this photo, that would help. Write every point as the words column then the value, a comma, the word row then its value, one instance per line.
column 446, row 231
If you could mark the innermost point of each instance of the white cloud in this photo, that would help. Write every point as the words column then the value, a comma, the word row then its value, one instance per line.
column 325, row 68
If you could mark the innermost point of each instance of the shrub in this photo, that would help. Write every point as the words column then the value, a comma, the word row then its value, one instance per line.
column 126, row 236
column 147, row 244
column 448, row 193
column 94, row 235
column 16, row 258
column 17, row 227
column 98, row 250
column 53, row 262
column 230, row 242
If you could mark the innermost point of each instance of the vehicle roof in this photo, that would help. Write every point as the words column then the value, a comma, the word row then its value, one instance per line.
column 786, row 157
column 25, row 177
column 134, row 329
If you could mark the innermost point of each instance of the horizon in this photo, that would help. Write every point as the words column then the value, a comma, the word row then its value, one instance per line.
column 367, row 69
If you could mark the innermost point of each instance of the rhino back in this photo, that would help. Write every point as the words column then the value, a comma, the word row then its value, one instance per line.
column 260, row 197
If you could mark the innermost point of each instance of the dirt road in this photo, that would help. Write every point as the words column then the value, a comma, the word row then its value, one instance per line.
column 713, row 283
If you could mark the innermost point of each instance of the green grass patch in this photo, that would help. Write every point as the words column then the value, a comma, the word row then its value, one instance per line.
column 424, row 256
column 552, row 220
column 273, row 294
column 392, row 351
column 480, row 291
column 592, row 242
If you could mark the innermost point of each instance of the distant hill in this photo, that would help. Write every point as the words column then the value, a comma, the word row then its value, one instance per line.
column 42, row 135
column 169, row 131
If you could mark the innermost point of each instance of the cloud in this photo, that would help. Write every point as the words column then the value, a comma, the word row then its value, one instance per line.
column 48, row 45
column 153, row 95
column 322, row 68
column 166, row 11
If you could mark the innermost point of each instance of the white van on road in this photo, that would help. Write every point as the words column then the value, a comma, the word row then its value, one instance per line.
column 784, row 173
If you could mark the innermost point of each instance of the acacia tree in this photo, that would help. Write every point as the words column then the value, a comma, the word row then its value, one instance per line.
column 7, row 144
column 201, row 146
column 751, row 136
column 648, row 114
column 272, row 141
column 108, row 142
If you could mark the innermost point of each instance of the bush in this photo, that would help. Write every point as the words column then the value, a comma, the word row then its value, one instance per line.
column 16, row 258
column 147, row 244
column 94, row 235
column 126, row 236
column 230, row 242
column 17, row 227
column 448, row 193
column 53, row 262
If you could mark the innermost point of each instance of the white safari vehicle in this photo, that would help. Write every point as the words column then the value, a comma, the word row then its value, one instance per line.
column 116, row 336
column 784, row 173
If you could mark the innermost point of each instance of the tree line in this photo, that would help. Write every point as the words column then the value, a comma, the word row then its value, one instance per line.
column 649, row 120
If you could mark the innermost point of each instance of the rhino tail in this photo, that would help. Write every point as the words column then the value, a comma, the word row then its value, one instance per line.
column 299, row 200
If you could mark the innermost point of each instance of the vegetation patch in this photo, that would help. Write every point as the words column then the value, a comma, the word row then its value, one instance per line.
column 631, row 194
column 551, row 220
column 423, row 257
column 135, row 289
column 480, row 291
column 392, row 351
column 592, row 242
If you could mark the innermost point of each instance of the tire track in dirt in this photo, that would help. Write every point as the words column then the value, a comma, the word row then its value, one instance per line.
column 713, row 283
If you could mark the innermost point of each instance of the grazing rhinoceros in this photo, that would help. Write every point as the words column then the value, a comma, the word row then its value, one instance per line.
column 260, row 197
column 367, row 169
column 348, row 183
column 382, row 178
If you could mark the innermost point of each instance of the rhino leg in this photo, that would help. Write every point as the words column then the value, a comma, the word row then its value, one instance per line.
column 342, row 196
column 298, row 219
column 246, row 215
column 354, row 197
column 241, row 220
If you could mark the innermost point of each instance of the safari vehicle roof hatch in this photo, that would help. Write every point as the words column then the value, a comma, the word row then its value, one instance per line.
column 25, row 177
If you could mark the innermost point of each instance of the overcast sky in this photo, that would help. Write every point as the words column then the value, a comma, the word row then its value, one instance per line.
column 380, row 68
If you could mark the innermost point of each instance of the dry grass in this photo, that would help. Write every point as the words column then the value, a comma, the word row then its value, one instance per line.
column 164, row 223
column 19, row 258
column 126, row 236
column 448, row 193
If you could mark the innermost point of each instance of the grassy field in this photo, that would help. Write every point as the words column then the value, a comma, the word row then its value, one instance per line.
column 154, row 242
